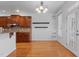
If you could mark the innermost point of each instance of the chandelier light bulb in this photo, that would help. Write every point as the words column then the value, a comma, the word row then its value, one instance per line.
column 41, row 8
column 45, row 10
column 37, row 9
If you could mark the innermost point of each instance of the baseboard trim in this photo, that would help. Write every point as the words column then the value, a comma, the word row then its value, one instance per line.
column 67, row 49
column 44, row 39
column 10, row 52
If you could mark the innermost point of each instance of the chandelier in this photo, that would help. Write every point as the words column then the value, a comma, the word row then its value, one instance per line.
column 41, row 8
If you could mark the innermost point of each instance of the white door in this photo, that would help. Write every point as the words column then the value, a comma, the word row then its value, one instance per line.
column 71, row 30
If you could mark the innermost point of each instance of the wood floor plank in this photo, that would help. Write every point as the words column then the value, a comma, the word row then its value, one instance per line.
column 41, row 49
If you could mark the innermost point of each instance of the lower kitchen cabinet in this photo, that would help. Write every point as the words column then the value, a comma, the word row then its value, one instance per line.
column 22, row 37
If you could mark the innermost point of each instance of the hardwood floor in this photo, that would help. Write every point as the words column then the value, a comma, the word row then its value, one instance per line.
column 41, row 49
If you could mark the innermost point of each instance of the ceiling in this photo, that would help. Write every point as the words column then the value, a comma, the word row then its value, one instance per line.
column 29, row 6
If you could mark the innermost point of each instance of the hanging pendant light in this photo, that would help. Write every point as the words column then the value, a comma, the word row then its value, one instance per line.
column 41, row 8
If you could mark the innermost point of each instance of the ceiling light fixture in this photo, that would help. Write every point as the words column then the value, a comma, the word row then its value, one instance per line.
column 41, row 8
column 17, row 10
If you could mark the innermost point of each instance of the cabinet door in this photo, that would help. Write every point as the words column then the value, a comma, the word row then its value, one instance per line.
column 22, row 37
column 14, row 19
column 10, row 21
column 25, row 21
column 3, row 21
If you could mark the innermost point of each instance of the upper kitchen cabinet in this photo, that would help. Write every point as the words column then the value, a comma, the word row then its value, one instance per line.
column 22, row 21
column 10, row 21
column 3, row 21
column 15, row 18
column 25, row 21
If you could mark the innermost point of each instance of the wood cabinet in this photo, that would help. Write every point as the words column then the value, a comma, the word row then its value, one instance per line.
column 22, row 37
column 15, row 18
column 23, row 21
column 3, row 21
column 10, row 21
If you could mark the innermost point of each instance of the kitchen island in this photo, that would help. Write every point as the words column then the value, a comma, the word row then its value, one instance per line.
column 22, row 34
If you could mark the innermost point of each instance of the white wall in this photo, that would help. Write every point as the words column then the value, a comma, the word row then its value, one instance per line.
column 69, row 39
column 65, row 12
column 7, row 45
column 43, row 33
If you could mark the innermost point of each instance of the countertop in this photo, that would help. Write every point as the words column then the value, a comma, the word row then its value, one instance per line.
column 16, row 29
